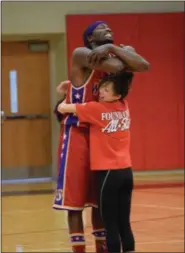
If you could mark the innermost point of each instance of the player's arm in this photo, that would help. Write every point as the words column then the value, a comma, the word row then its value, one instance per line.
column 127, row 54
column 62, row 87
column 88, row 112
column 134, row 60
column 110, row 65
column 66, row 108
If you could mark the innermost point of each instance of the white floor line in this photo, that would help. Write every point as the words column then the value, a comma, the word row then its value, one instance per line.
column 27, row 180
column 161, row 207
column 92, row 246
column 52, row 249
column 85, row 213
column 22, row 211
column 158, row 242
column 20, row 248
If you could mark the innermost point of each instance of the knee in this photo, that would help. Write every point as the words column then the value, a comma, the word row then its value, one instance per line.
column 75, row 221
column 96, row 214
column 72, row 213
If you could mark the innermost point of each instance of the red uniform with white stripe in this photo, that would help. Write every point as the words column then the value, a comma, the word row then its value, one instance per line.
column 74, row 185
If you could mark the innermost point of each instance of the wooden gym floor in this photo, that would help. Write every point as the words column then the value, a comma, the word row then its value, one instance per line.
column 30, row 225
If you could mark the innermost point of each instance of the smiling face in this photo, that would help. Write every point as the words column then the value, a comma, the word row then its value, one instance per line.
column 107, row 92
column 101, row 35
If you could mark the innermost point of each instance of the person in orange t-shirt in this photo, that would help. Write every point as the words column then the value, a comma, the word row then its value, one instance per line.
column 110, row 157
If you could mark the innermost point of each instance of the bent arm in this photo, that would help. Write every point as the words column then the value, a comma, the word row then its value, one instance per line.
column 110, row 65
column 66, row 108
column 87, row 112
column 132, row 59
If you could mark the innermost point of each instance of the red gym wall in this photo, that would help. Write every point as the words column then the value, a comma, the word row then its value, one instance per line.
column 157, row 97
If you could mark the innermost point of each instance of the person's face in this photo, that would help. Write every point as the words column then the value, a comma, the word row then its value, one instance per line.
column 101, row 35
column 107, row 93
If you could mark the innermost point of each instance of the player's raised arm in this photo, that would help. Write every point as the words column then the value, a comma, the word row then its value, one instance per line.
column 111, row 65
column 126, row 54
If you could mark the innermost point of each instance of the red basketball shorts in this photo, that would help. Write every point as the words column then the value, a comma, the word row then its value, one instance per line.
column 76, row 186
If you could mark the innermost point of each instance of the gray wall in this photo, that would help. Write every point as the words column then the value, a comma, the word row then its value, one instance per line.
column 49, row 17
column 46, row 20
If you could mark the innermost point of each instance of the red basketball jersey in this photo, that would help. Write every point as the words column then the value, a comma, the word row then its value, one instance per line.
column 85, row 93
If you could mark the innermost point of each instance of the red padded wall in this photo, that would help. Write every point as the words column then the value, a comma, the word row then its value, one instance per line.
column 157, row 98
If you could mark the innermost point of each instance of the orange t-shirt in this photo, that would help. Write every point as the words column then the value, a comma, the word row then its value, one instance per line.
column 109, row 133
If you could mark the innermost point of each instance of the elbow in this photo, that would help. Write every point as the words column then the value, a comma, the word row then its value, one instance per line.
column 144, row 66
column 60, row 108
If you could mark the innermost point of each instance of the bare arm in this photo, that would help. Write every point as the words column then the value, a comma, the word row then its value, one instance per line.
column 66, row 108
column 131, row 58
column 127, row 55
column 87, row 112
column 80, row 59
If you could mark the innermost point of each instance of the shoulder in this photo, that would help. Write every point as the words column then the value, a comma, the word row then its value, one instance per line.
column 94, row 106
column 79, row 56
column 104, row 106
column 88, row 104
column 80, row 50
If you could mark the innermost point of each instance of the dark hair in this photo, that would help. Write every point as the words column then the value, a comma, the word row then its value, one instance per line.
column 88, row 31
column 86, row 41
column 122, row 82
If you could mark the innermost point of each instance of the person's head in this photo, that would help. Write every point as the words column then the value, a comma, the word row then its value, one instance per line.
column 115, row 87
column 97, row 34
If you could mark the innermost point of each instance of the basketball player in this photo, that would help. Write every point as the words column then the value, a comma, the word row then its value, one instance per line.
column 89, row 64
column 110, row 156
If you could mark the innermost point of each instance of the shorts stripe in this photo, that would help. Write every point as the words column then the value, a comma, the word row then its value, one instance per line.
column 63, row 162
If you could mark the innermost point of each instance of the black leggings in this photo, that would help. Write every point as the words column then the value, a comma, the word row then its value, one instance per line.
column 115, row 189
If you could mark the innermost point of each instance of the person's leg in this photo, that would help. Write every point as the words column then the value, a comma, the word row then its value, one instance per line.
column 76, row 231
column 96, row 219
column 72, row 183
column 125, row 198
column 98, row 231
column 109, row 208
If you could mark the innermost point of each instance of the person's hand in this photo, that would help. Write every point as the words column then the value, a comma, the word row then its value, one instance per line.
column 61, row 107
column 62, row 87
column 128, row 48
column 98, row 54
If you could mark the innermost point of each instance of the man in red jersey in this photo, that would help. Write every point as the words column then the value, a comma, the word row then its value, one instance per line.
column 74, row 188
